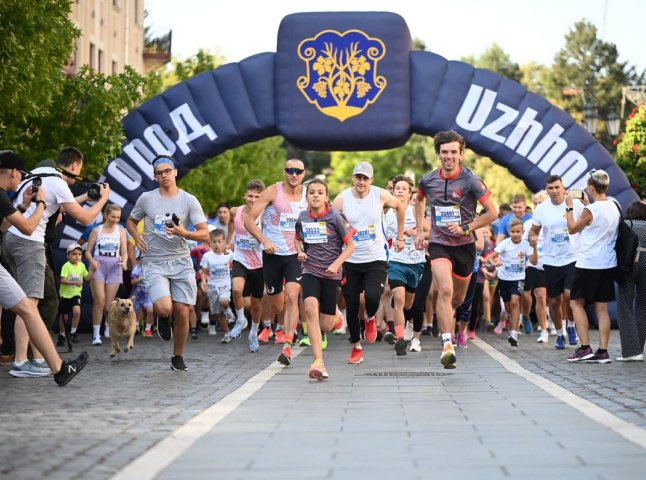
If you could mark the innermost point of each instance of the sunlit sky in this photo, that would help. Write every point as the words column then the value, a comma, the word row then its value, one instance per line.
column 528, row 30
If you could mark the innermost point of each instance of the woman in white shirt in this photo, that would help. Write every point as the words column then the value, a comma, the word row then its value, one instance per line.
column 595, row 265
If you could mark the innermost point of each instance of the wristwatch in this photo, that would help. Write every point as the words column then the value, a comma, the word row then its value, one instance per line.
column 465, row 229
column 569, row 209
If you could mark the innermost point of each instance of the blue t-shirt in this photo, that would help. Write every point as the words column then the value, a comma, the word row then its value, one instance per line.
column 503, row 228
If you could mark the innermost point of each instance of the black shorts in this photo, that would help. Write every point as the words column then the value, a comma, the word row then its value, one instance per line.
column 325, row 289
column 558, row 279
column 507, row 288
column 594, row 285
column 462, row 257
column 254, row 284
column 534, row 278
column 279, row 269
column 66, row 305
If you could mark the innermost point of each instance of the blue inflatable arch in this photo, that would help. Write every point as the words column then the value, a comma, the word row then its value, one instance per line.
column 351, row 81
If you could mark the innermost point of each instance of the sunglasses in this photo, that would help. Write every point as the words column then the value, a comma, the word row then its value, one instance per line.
column 294, row 171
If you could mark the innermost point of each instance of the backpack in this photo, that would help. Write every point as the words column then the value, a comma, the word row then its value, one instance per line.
column 626, row 250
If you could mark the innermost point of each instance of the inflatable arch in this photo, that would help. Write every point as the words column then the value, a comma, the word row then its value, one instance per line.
column 351, row 81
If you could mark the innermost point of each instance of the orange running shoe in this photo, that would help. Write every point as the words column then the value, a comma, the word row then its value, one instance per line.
column 338, row 323
column 265, row 335
column 356, row 356
column 448, row 356
column 285, row 356
column 318, row 371
column 371, row 329
column 280, row 337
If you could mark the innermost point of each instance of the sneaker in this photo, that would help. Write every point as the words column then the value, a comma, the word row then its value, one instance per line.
column 212, row 331
column 231, row 318
column 96, row 341
column 305, row 342
column 371, row 329
column 106, row 331
column 265, row 334
column 194, row 333
column 338, row 322
column 70, row 369
column 415, row 345
column 236, row 330
column 400, row 347
column 435, row 329
column 74, row 337
column 254, row 346
column 454, row 340
column 527, row 324
column 204, row 319
column 580, row 354
column 408, row 331
column 177, row 363
column 226, row 338
column 356, row 356
column 447, row 359
column 543, row 337
column 502, row 324
column 61, row 341
column 148, row 333
column 280, row 337
column 571, row 335
column 599, row 358
column 472, row 335
column 389, row 338
column 426, row 331
column 42, row 364
column 164, row 328
column 245, row 322
column 462, row 340
column 513, row 339
column 318, row 371
column 285, row 357
column 553, row 331
column 323, row 341
column 632, row 358
column 560, row 342
column 29, row 369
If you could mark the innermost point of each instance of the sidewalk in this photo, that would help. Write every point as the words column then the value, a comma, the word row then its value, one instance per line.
column 389, row 417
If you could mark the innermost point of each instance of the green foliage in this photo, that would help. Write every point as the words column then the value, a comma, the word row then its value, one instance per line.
column 224, row 178
column 497, row 60
column 631, row 151
column 503, row 185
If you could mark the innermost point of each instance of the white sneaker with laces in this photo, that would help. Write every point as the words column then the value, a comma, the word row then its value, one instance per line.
column 96, row 341
column 408, row 331
column 212, row 330
column 106, row 332
column 543, row 337
column 415, row 345
column 633, row 358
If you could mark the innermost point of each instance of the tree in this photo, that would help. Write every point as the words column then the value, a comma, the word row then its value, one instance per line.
column 631, row 150
column 497, row 60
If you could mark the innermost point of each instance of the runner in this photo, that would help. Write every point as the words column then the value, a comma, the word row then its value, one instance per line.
column 366, row 269
column 321, row 233
column 453, row 191
column 282, row 203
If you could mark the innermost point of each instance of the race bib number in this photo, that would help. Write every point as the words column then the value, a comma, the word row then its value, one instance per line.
column 367, row 234
column 108, row 247
column 446, row 215
column 287, row 222
column 247, row 243
column 315, row 232
column 160, row 226
column 560, row 237
column 220, row 271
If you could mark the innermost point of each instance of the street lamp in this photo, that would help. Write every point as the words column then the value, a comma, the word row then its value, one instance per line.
column 613, row 122
column 591, row 117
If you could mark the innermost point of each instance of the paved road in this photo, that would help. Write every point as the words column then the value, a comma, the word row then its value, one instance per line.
column 389, row 417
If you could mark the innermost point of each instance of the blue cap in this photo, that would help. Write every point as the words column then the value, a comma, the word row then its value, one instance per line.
column 163, row 159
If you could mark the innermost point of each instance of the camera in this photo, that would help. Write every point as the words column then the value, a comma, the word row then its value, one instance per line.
column 94, row 190
column 35, row 184
column 171, row 221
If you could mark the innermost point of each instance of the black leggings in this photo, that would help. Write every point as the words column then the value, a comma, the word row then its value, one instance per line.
column 475, row 312
column 419, row 303
column 369, row 278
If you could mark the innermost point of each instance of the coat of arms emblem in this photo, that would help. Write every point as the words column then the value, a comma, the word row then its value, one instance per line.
column 341, row 79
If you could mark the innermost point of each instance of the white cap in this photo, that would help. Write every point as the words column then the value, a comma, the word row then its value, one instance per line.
column 363, row 168
column 73, row 247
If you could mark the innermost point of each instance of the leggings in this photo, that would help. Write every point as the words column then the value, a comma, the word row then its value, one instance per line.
column 475, row 312
column 419, row 303
column 369, row 278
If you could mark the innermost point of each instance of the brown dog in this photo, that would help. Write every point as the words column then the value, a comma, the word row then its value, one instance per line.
column 123, row 322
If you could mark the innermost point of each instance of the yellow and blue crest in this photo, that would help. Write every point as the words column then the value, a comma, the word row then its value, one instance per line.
column 341, row 77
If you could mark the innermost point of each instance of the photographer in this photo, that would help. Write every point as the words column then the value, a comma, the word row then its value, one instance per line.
column 169, row 277
column 26, row 253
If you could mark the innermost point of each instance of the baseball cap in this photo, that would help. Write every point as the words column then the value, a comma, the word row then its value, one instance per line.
column 73, row 247
column 363, row 168
column 9, row 159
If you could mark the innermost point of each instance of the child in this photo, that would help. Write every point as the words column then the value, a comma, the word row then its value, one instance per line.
column 216, row 268
column 73, row 273
column 321, row 233
column 511, row 254
column 141, row 301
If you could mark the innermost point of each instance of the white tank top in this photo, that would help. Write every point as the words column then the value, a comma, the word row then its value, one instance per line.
column 279, row 220
column 248, row 250
column 366, row 215
column 107, row 244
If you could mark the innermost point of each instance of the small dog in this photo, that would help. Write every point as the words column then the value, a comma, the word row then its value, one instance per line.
column 122, row 321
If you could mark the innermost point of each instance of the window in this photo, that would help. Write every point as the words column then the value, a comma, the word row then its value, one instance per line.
column 92, row 64
column 100, row 63
column 114, row 67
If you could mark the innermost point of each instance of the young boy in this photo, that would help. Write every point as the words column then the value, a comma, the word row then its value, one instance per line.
column 511, row 255
column 141, row 301
column 216, row 268
column 73, row 273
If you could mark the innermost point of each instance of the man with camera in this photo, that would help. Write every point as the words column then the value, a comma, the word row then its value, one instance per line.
column 169, row 277
column 25, row 254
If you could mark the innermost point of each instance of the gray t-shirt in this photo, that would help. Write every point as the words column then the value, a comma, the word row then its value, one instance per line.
column 155, row 210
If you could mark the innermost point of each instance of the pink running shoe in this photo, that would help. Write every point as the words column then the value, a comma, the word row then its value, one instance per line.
column 462, row 340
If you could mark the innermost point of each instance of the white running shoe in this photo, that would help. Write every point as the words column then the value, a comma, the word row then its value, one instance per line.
column 212, row 330
column 543, row 337
column 408, row 331
column 96, row 341
column 415, row 345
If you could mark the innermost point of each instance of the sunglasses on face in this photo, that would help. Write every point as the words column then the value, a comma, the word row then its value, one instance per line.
column 164, row 173
column 294, row 171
